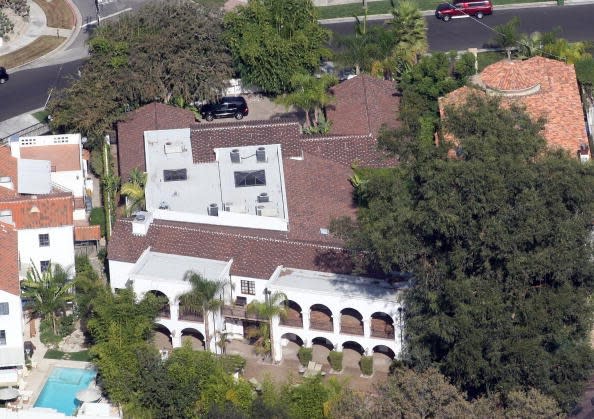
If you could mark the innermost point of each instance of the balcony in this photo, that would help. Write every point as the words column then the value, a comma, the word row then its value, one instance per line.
column 351, row 330
column 292, row 322
column 321, row 325
column 383, row 334
column 240, row 312
column 190, row 315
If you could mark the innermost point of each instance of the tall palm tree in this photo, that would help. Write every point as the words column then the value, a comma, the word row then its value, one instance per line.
column 273, row 306
column 48, row 292
column 134, row 191
column 205, row 296
column 410, row 31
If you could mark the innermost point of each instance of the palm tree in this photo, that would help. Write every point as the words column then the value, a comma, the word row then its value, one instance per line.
column 269, row 309
column 205, row 296
column 410, row 31
column 134, row 191
column 310, row 94
column 508, row 35
column 47, row 293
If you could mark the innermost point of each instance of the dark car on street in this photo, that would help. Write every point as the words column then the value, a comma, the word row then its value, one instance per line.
column 227, row 107
column 3, row 75
column 460, row 9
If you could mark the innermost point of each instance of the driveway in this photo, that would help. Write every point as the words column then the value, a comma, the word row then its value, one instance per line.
column 264, row 108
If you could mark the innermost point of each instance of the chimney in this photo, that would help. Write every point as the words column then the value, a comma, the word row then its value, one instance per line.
column 141, row 223
column 584, row 153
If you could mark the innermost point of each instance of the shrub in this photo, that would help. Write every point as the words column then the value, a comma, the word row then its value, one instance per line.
column 232, row 363
column 46, row 334
column 305, row 355
column 335, row 359
column 97, row 217
column 65, row 325
column 6, row 26
column 366, row 364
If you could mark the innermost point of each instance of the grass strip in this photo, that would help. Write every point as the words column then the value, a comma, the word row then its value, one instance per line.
column 57, row 13
column 72, row 356
column 35, row 49
column 384, row 7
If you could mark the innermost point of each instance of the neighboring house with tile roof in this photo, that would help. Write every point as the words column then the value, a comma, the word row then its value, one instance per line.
column 362, row 105
column 12, row 358
column 43, row 187
column 250, row 204
column 545, row 87
column 130, row 132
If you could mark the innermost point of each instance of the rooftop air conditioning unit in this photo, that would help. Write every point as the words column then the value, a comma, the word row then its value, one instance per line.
column 213, row 210
column 261, row 155
column 263, row 197
column 235, row 157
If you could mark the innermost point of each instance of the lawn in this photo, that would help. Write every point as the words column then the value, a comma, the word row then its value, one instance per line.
column 384, row 7
column 35, row 49
column 72, row 356
column 58, row 13
column 41, row 116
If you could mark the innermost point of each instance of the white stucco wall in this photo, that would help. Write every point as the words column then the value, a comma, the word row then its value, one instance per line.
column 12, row 354
column 72, row 180
column 60, row 250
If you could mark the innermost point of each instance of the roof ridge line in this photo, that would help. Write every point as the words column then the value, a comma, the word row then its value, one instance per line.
column 223, row 126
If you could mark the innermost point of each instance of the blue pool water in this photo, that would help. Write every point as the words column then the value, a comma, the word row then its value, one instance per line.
column 59, row 391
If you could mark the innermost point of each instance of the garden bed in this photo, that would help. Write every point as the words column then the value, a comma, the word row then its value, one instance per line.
column 57, row 13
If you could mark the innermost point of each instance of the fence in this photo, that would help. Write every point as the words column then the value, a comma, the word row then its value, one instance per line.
column 37, row 129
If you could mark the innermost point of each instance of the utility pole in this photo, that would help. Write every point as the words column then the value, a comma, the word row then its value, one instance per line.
column 97, row 10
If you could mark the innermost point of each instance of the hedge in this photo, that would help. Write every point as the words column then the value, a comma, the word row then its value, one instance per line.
column 305, row 355
column 335, row 359
column 366, row 364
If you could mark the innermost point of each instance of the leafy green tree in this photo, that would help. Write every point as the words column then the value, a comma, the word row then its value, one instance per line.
column 120, row 328
column 271, row 40
column 47, row 293
column 269, row 309
column 161, row 51
column 134, row 191
column 310, row 94
column 205, row 297
column 492, row 237
column 531, row 404
column 88, row 285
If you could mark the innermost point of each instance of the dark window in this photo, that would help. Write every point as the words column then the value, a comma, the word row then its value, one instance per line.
column 248, row 287
column 172, row 175
column 44, row 240
column 4, row 309
column 254, row 178
column 2, row 337
column 44, row 265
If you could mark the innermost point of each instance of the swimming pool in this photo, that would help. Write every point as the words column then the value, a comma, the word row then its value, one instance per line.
column 59, row 391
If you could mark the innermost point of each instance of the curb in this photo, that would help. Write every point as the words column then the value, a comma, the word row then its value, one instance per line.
column 534, row 5
column 73, row 34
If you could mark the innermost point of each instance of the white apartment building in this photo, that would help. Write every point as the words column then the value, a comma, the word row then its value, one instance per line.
column 256, row 217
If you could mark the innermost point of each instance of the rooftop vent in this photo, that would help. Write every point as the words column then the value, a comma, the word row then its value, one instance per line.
column 235, row 158
column 139, row 217
column 261, row 155
column 163, row 205
column 213, row 210
column 263, row 197
column 324, row 231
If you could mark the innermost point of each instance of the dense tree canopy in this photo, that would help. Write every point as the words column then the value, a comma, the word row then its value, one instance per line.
column 163, row 51
column 271, row 40
column 499, row 242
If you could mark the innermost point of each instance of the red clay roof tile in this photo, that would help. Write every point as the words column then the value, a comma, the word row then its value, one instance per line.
column 9, row 272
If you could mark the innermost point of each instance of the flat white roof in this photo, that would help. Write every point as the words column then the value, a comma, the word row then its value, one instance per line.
column 336, row 284
column 34, row 176
column 167, row 267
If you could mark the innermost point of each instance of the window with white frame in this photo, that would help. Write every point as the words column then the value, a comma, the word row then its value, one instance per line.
column 248, row 287
column 44, row 240
column 4, row 309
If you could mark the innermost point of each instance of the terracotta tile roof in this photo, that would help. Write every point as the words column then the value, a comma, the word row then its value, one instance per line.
column 557, row 99
column 8, row 167
column 87, row 233
column 256, row 253
column 37, row 211
column 508, row 75
column 318, row 190
column 362, row 105
column 64, row 157
column 153, row 116
column 206, row 137
column 9, row 273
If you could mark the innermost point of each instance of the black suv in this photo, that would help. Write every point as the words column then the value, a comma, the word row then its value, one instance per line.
column 3, row 75
column 227, row 107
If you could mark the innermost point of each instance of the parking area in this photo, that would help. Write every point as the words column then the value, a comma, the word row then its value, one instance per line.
column 263, row 108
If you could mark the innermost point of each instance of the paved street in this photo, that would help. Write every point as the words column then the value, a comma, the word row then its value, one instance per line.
column 576, row 23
